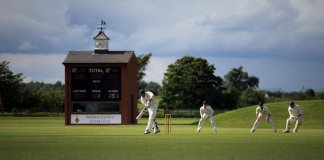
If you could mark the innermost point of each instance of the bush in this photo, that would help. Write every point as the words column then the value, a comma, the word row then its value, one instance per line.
column 251, row 97
column 319, row 95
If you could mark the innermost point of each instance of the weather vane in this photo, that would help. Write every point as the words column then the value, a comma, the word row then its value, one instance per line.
column 102, row 25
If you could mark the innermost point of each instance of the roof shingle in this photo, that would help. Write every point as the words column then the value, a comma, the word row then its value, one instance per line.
column 91, row 57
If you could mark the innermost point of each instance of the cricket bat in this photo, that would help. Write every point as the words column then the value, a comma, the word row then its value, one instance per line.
column 141, row 113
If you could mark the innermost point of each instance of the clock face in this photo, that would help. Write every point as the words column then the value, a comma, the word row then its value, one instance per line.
column 100, row 44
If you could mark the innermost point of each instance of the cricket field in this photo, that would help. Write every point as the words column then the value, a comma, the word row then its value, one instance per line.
column 35, row 138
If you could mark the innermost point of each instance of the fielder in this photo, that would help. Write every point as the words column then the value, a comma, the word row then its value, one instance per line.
column 295, row 114
column 147, row 98
column 206, row 112
column 262, row 111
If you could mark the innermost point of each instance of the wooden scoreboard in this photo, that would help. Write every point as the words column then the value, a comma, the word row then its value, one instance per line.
column 100, row 88
column 100, row 85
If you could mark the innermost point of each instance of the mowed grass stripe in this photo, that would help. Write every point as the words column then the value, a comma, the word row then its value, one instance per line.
column 229, row 143
column 48, row 138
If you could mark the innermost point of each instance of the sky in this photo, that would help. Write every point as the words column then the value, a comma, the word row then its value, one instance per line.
column 279, row 41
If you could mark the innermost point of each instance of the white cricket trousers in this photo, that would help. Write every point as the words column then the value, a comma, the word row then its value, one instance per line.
column 257, row 121
column 293, row 119
column 201, row 121
column 152, row 114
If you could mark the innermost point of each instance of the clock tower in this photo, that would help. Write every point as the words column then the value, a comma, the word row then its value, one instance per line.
column 100, row 85
column 101, row 40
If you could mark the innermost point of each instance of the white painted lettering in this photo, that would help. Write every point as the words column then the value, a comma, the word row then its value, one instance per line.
column 95, row 70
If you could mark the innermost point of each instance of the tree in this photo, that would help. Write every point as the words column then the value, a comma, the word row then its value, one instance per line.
column 231, row 99
column 239, row 86
column 251, row 97
column 150, row 86
column 52, row 99
column 153, row 87
column 44, row 97
column 142, row 85
column 253, row 82
column 188, row 82
column 142, row 62
column 237, row 79
column 10, row 85
column 1, row 104
column 309, row 93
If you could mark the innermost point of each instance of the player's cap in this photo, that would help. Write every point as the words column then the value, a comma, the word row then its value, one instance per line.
column 142, row 91
column 204, row 102
column 291, row 103
column 261, row 103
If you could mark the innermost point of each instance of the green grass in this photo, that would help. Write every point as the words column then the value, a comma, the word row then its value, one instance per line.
column 245, row 117
column 48, row 138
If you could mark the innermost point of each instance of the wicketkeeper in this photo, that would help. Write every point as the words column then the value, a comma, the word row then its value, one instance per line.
column 147, row 98
column 206, row 112
column 262, row 111
column 295, row 114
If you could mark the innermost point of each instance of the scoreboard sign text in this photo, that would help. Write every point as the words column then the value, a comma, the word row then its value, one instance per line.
column 96, row 84
column 95, row 119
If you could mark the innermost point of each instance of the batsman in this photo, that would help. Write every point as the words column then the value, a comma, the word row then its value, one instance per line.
column 147, row 98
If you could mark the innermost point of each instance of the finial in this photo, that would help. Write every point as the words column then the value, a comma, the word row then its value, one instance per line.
column 102, row 25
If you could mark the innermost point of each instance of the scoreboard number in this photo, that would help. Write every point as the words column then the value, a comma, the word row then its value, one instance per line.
column 96, row 83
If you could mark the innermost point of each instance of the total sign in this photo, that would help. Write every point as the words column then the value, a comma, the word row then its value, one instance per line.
column 95, row 119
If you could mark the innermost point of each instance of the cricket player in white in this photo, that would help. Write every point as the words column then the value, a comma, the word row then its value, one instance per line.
column 206, row 112
column 262, row 111
column 295, row 114
column 147, row 98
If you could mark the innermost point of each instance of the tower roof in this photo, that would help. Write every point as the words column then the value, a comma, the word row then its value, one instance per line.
column 101, row 35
